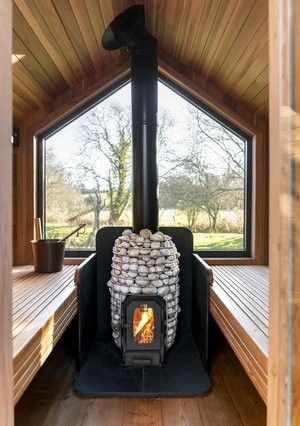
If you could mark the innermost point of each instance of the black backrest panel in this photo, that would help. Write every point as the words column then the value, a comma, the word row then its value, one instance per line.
column 105, row 239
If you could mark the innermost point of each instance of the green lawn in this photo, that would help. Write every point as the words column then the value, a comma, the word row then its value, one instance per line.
column 214, row 241
column 202, row 241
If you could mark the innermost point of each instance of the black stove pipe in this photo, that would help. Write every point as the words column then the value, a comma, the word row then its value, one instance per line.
column 128, row 30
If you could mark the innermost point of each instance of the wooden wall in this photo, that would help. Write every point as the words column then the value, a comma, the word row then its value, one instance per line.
column 284, row 336
column 6, row 394
column 73, row 98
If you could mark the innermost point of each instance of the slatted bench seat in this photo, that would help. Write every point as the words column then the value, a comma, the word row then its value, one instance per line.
column 43, row 305
column 239, row 304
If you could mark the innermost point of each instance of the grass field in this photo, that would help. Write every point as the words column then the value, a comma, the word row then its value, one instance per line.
column 214, row 241
column 202, row 241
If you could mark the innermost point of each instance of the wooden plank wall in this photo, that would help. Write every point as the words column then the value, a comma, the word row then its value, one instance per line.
column 72, row 99
column 284, row 341
column 6, row 395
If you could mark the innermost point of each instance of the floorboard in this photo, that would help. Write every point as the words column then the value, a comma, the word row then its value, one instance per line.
column 49, row 400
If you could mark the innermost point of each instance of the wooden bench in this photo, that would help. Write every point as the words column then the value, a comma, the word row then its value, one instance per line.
column 43, row 305
column 239, row 300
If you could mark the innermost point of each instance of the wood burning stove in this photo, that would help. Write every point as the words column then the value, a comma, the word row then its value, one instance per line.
column 143, row 330
column 143, row 364
column 135, row 295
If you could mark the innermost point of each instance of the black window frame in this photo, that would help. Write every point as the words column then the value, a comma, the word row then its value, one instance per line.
column 248, row 184
column 40, row 166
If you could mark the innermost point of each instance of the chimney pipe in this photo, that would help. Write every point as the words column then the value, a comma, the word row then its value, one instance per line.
column 128, row 30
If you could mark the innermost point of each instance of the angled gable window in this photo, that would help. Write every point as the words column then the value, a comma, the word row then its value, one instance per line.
column 86, row 164
column 204, row 164
column 204, row 175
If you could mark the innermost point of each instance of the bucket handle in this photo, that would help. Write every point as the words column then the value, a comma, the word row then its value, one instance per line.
column 72, row 233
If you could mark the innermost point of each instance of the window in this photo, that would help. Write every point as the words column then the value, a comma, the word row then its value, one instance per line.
column 204, row 173
column 86, row 164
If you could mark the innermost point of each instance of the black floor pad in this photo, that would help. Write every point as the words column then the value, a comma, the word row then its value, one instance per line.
column 182, row 373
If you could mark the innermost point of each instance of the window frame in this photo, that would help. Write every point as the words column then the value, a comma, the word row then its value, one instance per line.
column 40, row 164
column 248, row 201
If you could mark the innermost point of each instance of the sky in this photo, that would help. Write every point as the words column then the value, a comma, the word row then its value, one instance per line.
column 65, row 143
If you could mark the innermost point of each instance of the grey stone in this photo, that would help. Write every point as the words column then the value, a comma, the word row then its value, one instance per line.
column 160, row 260
column 143, row 277
column 158, row 236
column 159, row 268
column 172, row 288
column 150, row 289
column 144, row 251
column 116, row 266
column 125, row 267
column 132, row 274
column 145, row 233
column 143, row 269
column 125, row 259
column 133, row 252
column 141, row 262
column 153, row 276
column 155, row 254
column 133, row 267
column 162, row 291
column 129, row 281
column 135, row 289
column 125, row 238
column 155, row 245
column 157, row 283
column 141, row 282
column 162, row 276
column 127, row 232
column 125, row 244
column 124, row 289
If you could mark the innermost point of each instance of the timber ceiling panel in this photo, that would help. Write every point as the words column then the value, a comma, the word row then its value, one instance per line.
column 56, row 45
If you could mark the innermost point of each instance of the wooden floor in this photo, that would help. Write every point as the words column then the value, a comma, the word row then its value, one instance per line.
column 49, row 400
column 239, row 303
column 43, row 305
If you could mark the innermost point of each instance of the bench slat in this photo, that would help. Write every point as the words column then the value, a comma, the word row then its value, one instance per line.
column 43, row 307
column 239, row 305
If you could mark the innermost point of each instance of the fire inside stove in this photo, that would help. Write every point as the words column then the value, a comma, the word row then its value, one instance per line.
column 143, row 324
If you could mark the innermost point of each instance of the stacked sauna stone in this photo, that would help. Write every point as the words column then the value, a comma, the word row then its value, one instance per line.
column 145, row 264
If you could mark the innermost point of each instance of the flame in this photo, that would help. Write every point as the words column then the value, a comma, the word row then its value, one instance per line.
column 143, row 324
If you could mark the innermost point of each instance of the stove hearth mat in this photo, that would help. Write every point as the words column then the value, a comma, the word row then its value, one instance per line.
column 104, row 374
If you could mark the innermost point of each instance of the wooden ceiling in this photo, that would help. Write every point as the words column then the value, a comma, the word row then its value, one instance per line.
column 56, row 45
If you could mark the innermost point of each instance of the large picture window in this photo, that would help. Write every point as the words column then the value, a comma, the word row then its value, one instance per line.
column 204, row 173
column 87, row 171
